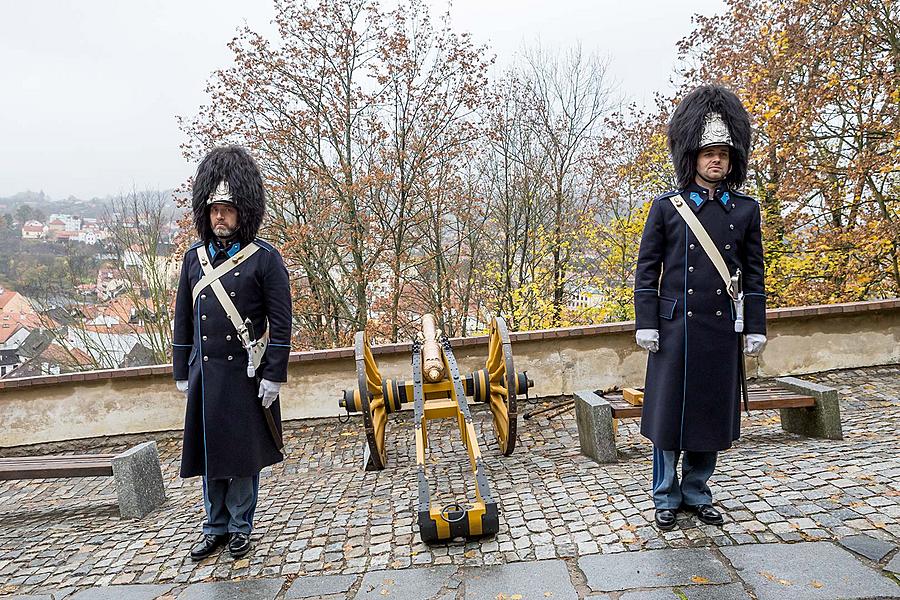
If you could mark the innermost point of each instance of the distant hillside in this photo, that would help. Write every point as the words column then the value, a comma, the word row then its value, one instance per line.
column 95, row 207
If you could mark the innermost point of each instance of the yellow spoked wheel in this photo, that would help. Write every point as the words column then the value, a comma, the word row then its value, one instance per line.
column 371, row 400
column 502, row 383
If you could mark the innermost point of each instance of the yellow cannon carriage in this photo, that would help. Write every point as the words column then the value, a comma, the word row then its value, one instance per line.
column 438, row 391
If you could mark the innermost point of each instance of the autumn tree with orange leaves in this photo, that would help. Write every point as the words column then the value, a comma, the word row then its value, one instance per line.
column 401, row 179
column 822, row 84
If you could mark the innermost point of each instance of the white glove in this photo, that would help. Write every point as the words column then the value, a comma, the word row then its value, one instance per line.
column 268, row 391
column 754, row 343
column 182, row 385
column 648, row 339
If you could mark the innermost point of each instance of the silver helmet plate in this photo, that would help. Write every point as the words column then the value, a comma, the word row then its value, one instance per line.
column 715, row 131
column 222, row 194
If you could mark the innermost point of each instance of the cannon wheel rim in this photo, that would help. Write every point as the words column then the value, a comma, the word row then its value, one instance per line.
column 502, row 372
column 377, row 452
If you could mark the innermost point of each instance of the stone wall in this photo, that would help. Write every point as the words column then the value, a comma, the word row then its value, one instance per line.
column 78, row 405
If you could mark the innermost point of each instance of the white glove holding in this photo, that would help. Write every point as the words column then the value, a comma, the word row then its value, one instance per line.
column 754, row 343
column 182, row 385
column 648, row 339
column 268, row 391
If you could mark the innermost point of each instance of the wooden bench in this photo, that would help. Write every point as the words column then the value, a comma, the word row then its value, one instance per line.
column 806, row 408
column 136, row 472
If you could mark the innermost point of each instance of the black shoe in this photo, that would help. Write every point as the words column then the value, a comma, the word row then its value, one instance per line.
column 207, row 544
column 706, row 513
column 239, row 544
column 665, row 518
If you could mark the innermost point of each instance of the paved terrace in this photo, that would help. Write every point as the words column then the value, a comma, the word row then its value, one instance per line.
column 569, row 528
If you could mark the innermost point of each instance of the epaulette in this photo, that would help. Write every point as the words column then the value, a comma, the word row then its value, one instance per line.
column 264, row 245
column 668, row 194
column 742, row 196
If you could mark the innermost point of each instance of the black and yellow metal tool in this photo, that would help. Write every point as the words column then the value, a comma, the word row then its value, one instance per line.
column 438, row 391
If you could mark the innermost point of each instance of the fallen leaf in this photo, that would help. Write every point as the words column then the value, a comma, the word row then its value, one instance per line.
column 698, row 579
column 470, row 554
column 817, row 584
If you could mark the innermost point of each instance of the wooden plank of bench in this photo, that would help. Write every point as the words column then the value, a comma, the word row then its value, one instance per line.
column 74, row 458
column 47, row 467
column 761, row 397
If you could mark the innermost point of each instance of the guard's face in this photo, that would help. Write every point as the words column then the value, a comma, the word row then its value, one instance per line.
column 713, row 163
column 224, row 219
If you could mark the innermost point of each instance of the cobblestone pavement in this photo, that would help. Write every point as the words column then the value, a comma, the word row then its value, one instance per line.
column 319, row 513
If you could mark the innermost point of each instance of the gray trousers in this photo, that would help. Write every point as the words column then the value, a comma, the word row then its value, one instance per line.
column 696, row 469
column 230, row 504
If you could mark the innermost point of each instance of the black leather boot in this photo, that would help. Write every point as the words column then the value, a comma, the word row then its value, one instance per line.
column 665, row 518
column 206, row 545
column 707, row 514
column 239, row 544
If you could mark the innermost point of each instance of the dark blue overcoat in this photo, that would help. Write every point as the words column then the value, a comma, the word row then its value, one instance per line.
column 692, row 389
column 225, row 431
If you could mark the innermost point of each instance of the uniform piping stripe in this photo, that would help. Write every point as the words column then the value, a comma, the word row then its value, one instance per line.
column 202, row 390
column 684, row 318
column 251, row 510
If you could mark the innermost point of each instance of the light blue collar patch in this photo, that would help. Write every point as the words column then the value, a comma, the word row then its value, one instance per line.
column 697, row 198
column 234, row 249
column 725, row 198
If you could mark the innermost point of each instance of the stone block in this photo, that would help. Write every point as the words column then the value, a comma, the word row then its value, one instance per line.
column 864, row 545
column 596, row 436
column 313, row 586
column 533, row 579
column 404, row 584
column 248, row 589
column 806, row 570
column 731, row 591
column 123, row 592
column 652, row 568
column 820, row 421
column 139, row 482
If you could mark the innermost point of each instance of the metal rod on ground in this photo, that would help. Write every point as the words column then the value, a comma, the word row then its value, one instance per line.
column 543, row 409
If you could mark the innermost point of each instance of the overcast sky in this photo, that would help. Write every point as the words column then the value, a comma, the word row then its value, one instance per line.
column 89, row 90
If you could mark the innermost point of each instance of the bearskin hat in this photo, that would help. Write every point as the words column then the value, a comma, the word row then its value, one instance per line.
column 235, row 167
column 686, row 130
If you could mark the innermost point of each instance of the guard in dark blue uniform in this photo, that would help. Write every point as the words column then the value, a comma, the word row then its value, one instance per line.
column 231, row 347
column 695, row 325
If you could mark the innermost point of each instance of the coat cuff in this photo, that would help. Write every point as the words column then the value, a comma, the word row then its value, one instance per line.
column 274, row 365
column 646, row 309
column 755, row 313
column 180, row 355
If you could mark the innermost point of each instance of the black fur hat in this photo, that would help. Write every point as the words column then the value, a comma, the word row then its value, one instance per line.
column 686, row 129
column 236, row 167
